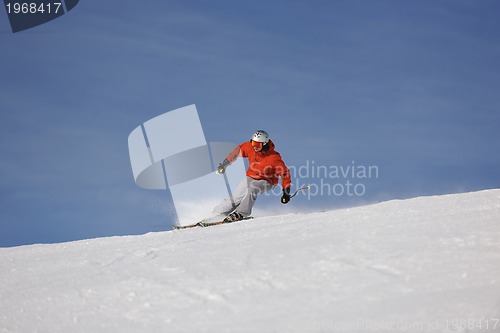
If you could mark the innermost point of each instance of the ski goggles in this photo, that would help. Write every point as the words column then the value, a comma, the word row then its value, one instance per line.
column 257, row 144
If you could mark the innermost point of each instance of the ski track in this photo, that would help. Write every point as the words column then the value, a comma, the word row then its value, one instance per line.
column 404, row 265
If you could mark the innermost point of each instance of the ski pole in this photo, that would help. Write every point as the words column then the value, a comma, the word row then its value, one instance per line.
column 300, row 189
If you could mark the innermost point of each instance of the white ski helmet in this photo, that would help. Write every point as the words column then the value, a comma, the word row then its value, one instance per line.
column 261, row 136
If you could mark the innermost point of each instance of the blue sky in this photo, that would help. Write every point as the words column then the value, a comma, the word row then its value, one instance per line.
column 408, row 86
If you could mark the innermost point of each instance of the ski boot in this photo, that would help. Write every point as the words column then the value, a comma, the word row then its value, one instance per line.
column 233, row 217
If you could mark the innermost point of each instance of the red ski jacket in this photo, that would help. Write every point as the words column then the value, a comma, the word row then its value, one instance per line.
column 266, row 164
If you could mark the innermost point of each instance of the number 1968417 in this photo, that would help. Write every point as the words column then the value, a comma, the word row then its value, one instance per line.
column 33, row 8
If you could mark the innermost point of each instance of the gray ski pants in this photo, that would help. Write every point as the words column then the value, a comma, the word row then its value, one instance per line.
column 244, row 197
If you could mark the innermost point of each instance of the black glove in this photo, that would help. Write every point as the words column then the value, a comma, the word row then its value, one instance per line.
column 222, row 166
column 286, row 196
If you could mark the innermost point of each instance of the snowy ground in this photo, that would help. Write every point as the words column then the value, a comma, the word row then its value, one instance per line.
column 429, row 264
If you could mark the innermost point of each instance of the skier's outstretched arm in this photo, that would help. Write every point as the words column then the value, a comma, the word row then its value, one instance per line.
column 284, row 173
column 233, row 156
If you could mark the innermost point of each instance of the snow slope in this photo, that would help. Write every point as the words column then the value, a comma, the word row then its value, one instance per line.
column 429, row 264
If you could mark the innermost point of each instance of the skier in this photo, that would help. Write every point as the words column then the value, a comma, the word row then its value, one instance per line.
column 265, row 167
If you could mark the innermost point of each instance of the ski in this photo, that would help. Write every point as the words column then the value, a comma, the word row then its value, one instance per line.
column 209, row 224
column 189, row 226
column 204, row 224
